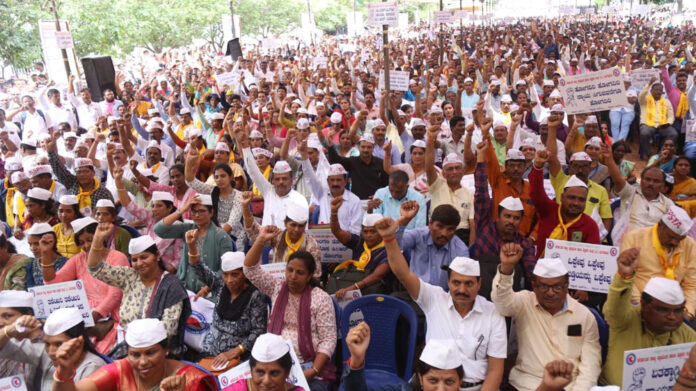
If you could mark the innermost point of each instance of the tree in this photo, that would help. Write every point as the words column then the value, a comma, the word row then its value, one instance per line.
column 265, row 17
column 331, row 15
column 19, row 32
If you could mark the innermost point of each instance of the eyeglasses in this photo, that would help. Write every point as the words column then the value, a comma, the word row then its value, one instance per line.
column 198, row 211
column 664, row 311
column 557, row 288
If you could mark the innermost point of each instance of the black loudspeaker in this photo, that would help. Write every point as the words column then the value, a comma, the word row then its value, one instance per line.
column 234, row 49
column 100, row 75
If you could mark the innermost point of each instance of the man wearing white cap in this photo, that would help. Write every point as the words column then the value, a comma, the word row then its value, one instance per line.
column 667, row 251
column 278, row 194
column 459, row 141
column 597, row 205
column 460, row 315
column 417, row 133
column 154, row 132
column 41, row 176
column 520, row 134
column 575, row 142
column 379, row 133
column 549, row 323
column 294, row 236
column 369, row 105
column 366, row 171
column 565, row 220
column 184, row 125
column 656, row 115
column 656, row 321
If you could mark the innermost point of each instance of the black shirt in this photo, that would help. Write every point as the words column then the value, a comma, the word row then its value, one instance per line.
column 365, row 178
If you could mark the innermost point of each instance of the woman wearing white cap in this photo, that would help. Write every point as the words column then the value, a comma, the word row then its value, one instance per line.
column 14, row 304
column 13, row 266
column 270, row 364
column 302, row 313
column 149, row 291
column 42, row 243
column 227, row 208
column 39, row 206
column 145, row 368
column 240, row 314
column 68, row 211
column 104, row 300
column 162, row 206
column 105, row 212
column 62, row 325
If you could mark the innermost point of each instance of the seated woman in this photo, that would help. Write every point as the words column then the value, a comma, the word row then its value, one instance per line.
column 68, row 211
column 104, row 299
column 666, row 158
column 14, row 266
column 146, row 367
column 149, row 291
column 684, row 185
column 619, row 149
column 162, row 206
column 105, row 212
column 39, row 206
column 417, row 179
column 270, row 364
column 61, row 326
column 294, row 237
column 240, row 314
column 212, row 240
column 45, row 253
column 302, row 313
column 14, row 304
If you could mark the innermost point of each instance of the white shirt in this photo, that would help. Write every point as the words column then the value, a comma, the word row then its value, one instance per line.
column 480, row 334
column 522, row 134
column 35, row 124
column 88, row 114
column 167, row 152
column 349, row 214
column 643, row 213
column 58, row 191
column 104, row 107
column 274, row 206
column 57, row 114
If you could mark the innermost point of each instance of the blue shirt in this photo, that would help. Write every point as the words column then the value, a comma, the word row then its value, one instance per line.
column 426, row 258
column 391, row 207
column 395, row 154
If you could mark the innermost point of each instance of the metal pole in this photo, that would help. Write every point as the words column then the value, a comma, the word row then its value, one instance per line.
column 355, row 22
column 309, row 20
column 442, row 36
column 63, row 52
column 234, row 28
column 387, row 66
column 461, row 22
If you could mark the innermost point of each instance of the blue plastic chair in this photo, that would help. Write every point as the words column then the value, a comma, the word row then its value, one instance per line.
column 314, row 218
column 207, row 372
column 132, row 231
column 104, row 357
column 264, row 255
column 382, row 313
column 603, row 328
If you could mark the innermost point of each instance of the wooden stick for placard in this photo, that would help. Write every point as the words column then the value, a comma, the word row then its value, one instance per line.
column 385, row 46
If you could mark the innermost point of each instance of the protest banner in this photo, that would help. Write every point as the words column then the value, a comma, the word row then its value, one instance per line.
column 398, row 80
column 332, row 251
column 227, row 79
column 243, row 371
column 14, row 383
column 64, row 40
column 379, row 14
column 595, row 91
column 348, row 297
column 269, row 44
column 276, row 269
column 461, row 14
column 320, row 62
column 48, row 298
column 641, row 77
column 654, row 368
column 53, row 57
column 442, row 17
column 590, row 266
column 690, row 131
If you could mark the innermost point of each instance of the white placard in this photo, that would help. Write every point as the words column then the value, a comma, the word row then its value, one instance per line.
column 595, row 91
column 690, row 129
column 13, row 383
column 590, row 266
column 461, row 14
column 398, row 80
column 276, row 269
column 269, row 44
column 348, row 297
column 64, row 40
column 227, row 79
column 641, row 77
column 442, row 17
column 320, row 62
column 654, row 368
column 243, row 371
column 332, row 251
column 48, row 298
column 379, row 14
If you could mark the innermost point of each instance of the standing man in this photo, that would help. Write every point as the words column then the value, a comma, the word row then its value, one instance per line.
column 367, row 174
column 88, row 112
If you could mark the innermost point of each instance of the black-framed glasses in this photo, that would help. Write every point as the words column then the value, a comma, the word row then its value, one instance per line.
column 557, row 288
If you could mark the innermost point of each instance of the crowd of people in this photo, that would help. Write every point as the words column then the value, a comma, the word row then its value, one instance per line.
column 176, row 186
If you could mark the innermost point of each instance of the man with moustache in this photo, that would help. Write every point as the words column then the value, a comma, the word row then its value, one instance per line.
column 460, row 315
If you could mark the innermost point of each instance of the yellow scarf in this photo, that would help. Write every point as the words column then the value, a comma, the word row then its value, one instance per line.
column 650, row 112
column 683, row 106
column 292, row 248
column 508, row 118
column 53, row 186
column 364, row 259
column 9, row 199
column 669, row 269
column 266, row 174
column 154, row 168
column 84, row 198
column 561, row 230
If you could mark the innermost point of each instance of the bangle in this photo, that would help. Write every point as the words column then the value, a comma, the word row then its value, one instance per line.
column 357, row 286
column 42, row 265
column 241, row 347
column 59, row 379
column 316, row 371
column 4, row 330
column 393, row 238
column 179, row 212
column 685, row 373
column 120, row 188
column 193, row 255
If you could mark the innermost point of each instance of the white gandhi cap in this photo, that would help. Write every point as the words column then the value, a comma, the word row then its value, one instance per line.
column 39, row 229
column 16, row 299
column 269, row 347
column 232, row 260
column 62, row 320
column 575, row 182
column 143, row 333
column 465, row 266
column 79, row 224
column 441, row 354
column 371, row 219
column 297, row 212
column 140, row 244
column 511, row 203
column 162, row 196
column 666, row 290
column 677, row 220
column 550, row 268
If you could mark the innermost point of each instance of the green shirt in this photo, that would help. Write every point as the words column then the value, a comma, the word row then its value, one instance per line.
column 627, row 330
column 500, row 151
